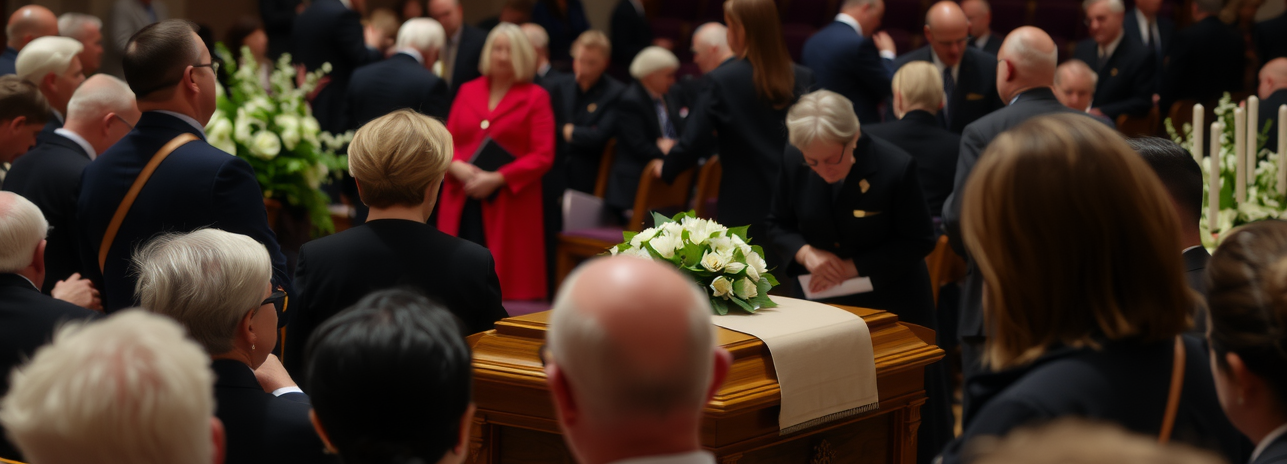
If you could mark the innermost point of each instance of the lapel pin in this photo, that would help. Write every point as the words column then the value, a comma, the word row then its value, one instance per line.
column 1112, row 72
column 863, row 185
column 592, row 107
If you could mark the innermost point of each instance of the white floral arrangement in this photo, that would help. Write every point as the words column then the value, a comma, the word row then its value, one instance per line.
column 721, row 260
column 277, row 134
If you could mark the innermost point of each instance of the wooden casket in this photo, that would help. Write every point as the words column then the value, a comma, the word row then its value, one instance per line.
column 515, row 422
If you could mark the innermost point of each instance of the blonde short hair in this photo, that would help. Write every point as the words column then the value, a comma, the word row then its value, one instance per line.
column 651, row 60
column 46, row 55
column 129, row 389
column 22, row 228
column 397, row 156
column 821, row 115
column 1077, row 441
column 521, row 53
column 592, row 39
column 921, row 86
column 207, row 280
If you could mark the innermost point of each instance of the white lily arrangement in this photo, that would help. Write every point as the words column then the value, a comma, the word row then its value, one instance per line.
column 721, row 260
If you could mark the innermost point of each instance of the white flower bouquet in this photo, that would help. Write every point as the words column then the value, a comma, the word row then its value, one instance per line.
column 721, row 260
column 276, row 133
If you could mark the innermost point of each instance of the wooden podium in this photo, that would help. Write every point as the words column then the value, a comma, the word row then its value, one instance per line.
column 515, row 422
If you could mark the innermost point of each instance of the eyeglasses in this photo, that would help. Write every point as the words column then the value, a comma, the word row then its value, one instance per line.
column 278, row 299
column 832, row 161
column 213, row 65
column 119, row 118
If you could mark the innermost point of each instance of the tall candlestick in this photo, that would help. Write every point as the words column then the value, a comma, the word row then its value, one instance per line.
column 1253, row 131
column 1199, row 131
column 1282, row 149
column 1213, row 178
column 1240, row 156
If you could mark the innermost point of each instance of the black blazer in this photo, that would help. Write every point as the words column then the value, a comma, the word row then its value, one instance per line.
column 7, row 61
column 335, row 272
column 1126, row 81
column 1195, row 271
column 631, row 33
column 398, row 82
column 1165, row 28
column 1125, row 383
column 1275, row 453
column 1198, row 50
column 849, row 64
column 977, row 136
column 752, row 135
column 637, row 131
column 49, row 176
column 889, row 246
column 976, row 87
column 27, row 321
column 593, row 122
column 329, row 32
column 1269, row 115
column 1271, row 38
column 468, row 54
column 278, row 17
column 197, row 186
column 992, row 46
column 933, row 147
column 262, row 428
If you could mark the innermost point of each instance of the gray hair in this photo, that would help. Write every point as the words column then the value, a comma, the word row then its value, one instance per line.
column 421, row 34
column 1076, row 66
column 73, row 24
column 99, row 95
column 1115, row 6
column 129, row 389
column 46, row 55
column 712, row 35
column 821, row 115
column 207, row 280
column 22, row 228
column 652, row 59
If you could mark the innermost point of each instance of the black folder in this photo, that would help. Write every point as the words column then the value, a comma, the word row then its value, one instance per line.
column 491, row 156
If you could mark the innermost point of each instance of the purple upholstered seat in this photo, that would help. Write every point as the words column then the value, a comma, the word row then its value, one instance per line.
column 520, row 308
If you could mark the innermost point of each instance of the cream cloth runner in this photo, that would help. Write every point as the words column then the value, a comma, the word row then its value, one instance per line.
column 823, row 356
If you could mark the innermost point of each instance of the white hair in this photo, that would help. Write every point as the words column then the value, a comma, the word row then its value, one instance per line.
column 611, row 388
column 73, row 24
column 207, row 280
column 712, row 35
column 46, row 55
column 652, row 59
column 821, row 115
column 1115, row 6
column 421, row 34
column 129, row 389
column 1076, row 66
column 99, row 95
column 536, row 35
column 22, row 228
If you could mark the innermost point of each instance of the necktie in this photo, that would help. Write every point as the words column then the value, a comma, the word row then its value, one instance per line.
column 1103, row 59
column 1153, row 39
column 448, row 60
column 667, row 129
column 949, row 88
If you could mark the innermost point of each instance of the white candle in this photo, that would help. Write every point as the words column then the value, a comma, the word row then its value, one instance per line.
column 1199, row 131
column 1253, row 129
column 1240, row 156
column 1282, row 149
column 1213, row 178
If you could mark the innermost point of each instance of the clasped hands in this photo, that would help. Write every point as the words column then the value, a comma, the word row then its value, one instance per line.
column 828, row 270
column 477, row 183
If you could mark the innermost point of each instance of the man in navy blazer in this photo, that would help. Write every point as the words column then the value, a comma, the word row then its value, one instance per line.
column 1144, row 26
column 404, row 80
column 1126, row 68
column 464, row 46
column 850, row 58
column 969, row 74
column 981, row 35
column 330, row 31
column 198, row 185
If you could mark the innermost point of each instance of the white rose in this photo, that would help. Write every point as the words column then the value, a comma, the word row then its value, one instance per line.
column 666, row 244
column 673, row 228
column 309, row 127
column 638, row 253
column 219, row 127
column 734, row 267
column 742, row 245
column 722, row 287
column 225, row 144
column 243, row 127
column 714, row 262
column 722, row 245
column 755, row 266
column 643, row 236
column 699, row 230
column 745, row 289
column 265, row 145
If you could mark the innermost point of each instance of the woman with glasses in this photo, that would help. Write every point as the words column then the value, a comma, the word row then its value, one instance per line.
column 218, row 286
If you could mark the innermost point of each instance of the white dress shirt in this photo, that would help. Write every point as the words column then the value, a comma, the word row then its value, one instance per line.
column 1264, row 443
column 695, row 457
column 844, row 18
column 942, row 68
column 188, row 119
column 1147, row 32
column 982, row 41
column 84, row 144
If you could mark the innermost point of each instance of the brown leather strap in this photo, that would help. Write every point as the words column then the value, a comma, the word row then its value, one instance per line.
column 115, row 226
column 1173, row 398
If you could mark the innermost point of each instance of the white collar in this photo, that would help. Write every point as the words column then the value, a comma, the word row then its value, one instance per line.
column 58, row 116
column 33, row 285
column 982, row 40
column 942, row 67
column 89, row 149
column 414, row 54
column 1269, row 439
column 545, row 69
column 346, row 4
column 638, row 6
column 1142, row 20
column 844, row 18
column 1186, row 250
column 694, row 457
column 1112, row 47
column 185, row 118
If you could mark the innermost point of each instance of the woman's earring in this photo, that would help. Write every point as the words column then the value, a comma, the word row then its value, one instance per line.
column 252, row 348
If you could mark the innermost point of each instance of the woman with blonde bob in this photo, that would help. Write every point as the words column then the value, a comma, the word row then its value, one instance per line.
column 1085, row 295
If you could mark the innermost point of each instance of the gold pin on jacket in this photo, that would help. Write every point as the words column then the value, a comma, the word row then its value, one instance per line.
column 858, row 213
column 592, row 107
column 863, row 185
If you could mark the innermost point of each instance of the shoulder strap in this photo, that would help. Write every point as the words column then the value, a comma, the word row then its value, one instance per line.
column 1173, row 398
column 115, row 226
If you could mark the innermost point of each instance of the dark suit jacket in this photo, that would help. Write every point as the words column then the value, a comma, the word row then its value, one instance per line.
column 977, row 136
column 197, row 186
column 752, row 135
column 335, row 272
column 7, row 61
column 992, row 46
column 468, row 55
column 1275, row 453
column 849, row 64
column 27, row 321
column 398, row 82
column 1125, row 383
column 631, row 33
column 278, row 17
column 47, row 132
column 637, row 131
column 1271, row 38
column 1195, row 270
column 976, row 87
column 49, row 176
column 260, row 427
column 1269, row 115
column 1165, row 28
column 593, row 118
column 1198, row 50
column 934, row 148
column 1126, row 82
column 329, row 32
column 889, row 247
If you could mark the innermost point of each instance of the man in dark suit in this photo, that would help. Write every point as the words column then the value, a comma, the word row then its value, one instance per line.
column 278, row 17
column 399, row 181
column 1273, row 94
column 101, row 112
column 52, row 64
column 969, row 74
column 464, row 46
column 404, row 80
column 27, row 318
column 1206, row 59
column 26, row 24
column 197, row 186
column 648, row 123
column 584, row 114
column 1144, row 26
column 546, row 76
column 850, row 58
column 1125, row 67
column 1271, row 38
column 1027, row 70
column 981, row 35
column 23, row 113
column 1075, row 88
column 329, row 31
column 631, row 33
column 918, row 132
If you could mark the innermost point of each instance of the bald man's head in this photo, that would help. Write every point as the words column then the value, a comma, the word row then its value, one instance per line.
column 1075, row 84
column 30, row 23
column 980, row 16
column 1273, row 77
column 948, row 31
column 710, row 46
column 1027, row 58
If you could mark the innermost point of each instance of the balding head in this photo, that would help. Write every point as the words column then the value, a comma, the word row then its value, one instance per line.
column 1028, row 59
column 30, row 23
column 710, row 46
column 102, row 110
column 448, row 13
column 948, row 31
column 1075, row 84
column 1273, row 77
column 980, row 15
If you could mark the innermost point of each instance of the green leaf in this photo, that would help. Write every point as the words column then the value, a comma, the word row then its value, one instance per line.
column 693, row 255
column 719, row 305
column 627, row 236
column 744, row 305
column 740, row 232
column 770, row 278
column 659, row 220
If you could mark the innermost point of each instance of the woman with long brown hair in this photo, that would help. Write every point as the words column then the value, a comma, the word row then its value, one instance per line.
column 745, row 102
